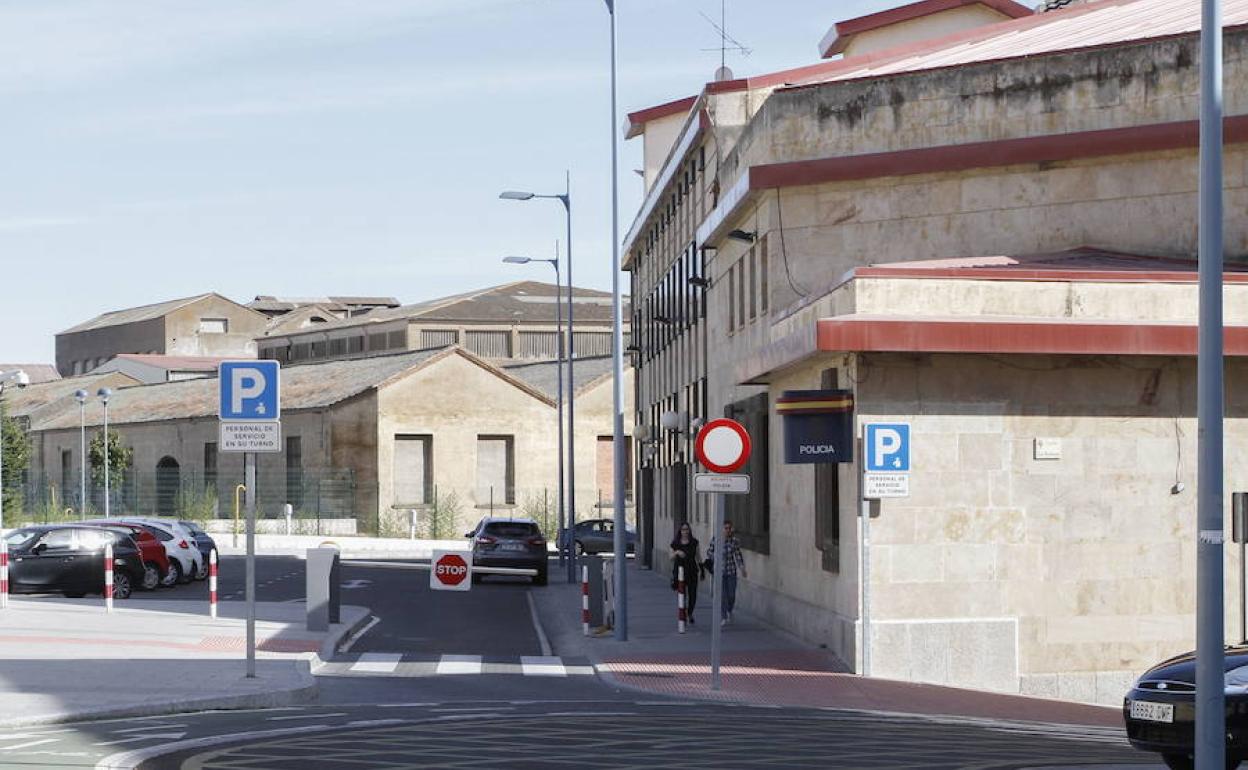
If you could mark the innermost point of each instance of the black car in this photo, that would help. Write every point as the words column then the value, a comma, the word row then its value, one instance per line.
column 69, row 559
column 598, row 536
column 1160, row 709
column 515, row 543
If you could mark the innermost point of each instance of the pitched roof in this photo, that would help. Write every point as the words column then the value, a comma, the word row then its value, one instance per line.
column 141, row 313
column 180, row 363
column 267, row 303
column 37, row 372
column 24, row 402
column 544, row 375
column 839, row 36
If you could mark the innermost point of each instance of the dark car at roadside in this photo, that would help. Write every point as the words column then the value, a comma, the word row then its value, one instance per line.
column 1160, row 709
column 69, row 559
column 510, row 543
column 597, row 536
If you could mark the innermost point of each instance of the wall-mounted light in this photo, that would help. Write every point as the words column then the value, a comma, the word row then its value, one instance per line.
column 743, row 235
column 673, row 421
column 700, row 282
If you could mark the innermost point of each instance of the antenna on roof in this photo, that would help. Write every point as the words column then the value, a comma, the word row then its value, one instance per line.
column 724, row 73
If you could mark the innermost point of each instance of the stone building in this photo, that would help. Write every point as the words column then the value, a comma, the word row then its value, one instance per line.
column 989, row 235
column 203, row 325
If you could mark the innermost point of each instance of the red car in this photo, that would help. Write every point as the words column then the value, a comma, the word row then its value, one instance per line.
column 156, row 568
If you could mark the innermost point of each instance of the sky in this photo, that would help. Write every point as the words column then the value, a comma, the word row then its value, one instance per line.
column 155, row 149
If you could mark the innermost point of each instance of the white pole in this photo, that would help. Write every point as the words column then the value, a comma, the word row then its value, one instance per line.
column 717, row 580
column 249, row 476
column 4, row 577
column 108, row 577
column 212, row 583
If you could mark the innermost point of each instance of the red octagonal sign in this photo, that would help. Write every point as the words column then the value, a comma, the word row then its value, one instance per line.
column 450, row 569
column 723, row 446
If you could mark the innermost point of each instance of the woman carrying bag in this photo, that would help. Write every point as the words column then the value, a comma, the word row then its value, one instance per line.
column 685, row 554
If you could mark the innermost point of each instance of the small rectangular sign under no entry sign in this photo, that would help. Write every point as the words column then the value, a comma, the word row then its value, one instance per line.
column 722, row 483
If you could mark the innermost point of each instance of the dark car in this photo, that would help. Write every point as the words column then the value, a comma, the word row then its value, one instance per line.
column 203, row 541
column 69, row 559
column 1160, row 709
column 598, row 536
column 515, row 543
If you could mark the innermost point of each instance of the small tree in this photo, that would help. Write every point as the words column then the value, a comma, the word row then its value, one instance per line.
column 15, row 445
column 120, row 459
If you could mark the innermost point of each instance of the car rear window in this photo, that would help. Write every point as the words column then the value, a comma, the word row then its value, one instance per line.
column 514, row 529
column 164, row 535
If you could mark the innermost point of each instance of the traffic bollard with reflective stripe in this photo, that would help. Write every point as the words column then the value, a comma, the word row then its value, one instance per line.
column 680, row 599
column 212, row 583
column 107, row 577
column 4, row 578
column 585, row 599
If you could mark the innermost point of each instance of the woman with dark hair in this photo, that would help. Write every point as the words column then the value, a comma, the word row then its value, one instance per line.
column 685, row 554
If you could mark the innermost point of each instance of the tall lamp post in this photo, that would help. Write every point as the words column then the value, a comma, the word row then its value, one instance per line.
column 22, row 380
column 104, row 394
column 559, row 376
column 617, row 348
column 81, row 397
column 566, row 199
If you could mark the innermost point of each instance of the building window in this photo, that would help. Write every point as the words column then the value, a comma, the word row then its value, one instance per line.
column 294, row 471
column 355, row 344
column 604, row 470
column 753, row 267
column 741, row 292
column 496, row 472
column 397, row 340
column 764, row 288
column 732, row 293
column 210, row 466
column 377, row 341
column 828, row 501
column 214, row 325
column 338, row 347
column 69, row 489
column 413, row 470
column 751, row 514
column 78, row 367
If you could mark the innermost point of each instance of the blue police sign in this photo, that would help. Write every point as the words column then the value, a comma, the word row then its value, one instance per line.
column 818, row 426
column 249, row 391
column 887, row 447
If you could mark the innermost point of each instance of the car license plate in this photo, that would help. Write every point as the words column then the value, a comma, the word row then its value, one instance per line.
column 511, row 547
column 1152, row 712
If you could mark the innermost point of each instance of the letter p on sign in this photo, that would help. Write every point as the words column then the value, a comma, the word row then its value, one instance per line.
column 888, row 447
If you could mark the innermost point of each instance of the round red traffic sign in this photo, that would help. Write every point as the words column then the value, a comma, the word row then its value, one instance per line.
column 723, row 446
column 450, row 569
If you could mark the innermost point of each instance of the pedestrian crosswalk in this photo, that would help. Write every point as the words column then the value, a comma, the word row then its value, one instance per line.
column 411, row 666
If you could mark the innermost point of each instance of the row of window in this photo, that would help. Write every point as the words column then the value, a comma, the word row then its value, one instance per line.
column 489, row 343
column 748, row 287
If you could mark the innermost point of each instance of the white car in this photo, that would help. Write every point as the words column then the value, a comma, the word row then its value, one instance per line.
column 185, row 561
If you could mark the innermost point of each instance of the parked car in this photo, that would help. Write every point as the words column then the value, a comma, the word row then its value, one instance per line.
column 204, row 541
column 69, row 558
column 1160, row 709
column 517, row 543
column 184, row 558
column 598, row 536
column 156, row 568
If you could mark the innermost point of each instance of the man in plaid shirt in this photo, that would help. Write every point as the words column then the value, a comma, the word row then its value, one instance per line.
column 732, row 560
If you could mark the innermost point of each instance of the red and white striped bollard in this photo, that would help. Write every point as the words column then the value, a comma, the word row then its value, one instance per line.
column 585, row 598
column 4, row 577
column 108, row 577
column 212, row 583
column 680, row 599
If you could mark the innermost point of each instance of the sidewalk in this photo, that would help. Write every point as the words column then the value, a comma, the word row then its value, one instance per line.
column 761, row 665
column 66, row 659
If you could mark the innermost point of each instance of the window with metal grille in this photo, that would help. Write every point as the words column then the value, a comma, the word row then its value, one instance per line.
column 489, row 344
column 751, row 514
column 377, row 341
column 437, row 338
column 413, row 470
column 397, row 340
column 539, row 345
column 496, row 471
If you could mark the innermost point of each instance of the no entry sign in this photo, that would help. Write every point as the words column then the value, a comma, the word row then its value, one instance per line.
column 723, row 446
column 451, row 571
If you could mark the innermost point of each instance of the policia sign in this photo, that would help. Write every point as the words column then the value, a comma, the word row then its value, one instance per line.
column 818, row 426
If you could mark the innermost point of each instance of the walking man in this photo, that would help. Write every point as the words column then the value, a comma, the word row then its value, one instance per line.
column 732, row 561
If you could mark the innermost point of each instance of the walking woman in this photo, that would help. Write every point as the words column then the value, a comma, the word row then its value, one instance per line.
column 685, row 554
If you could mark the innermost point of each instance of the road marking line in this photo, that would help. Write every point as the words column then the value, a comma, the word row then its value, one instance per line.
column 127, row 760
column 351, row 642
column 29, row 744
column 459, row 664
column 405, row 705
column 152, row 737
column 377, row 663
column 308, row 716
column 148, row 728
column 542, row 666
column 537, row 625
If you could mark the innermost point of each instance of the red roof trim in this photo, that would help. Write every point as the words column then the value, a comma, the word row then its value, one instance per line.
column 838, row 37
column 918, row 335
column 1056, row 275
column 1008, row 152
column 637, row 120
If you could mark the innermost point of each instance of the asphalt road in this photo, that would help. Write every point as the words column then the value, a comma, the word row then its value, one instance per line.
column 446, row 679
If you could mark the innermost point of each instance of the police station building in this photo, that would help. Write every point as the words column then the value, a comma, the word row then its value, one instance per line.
column 982, row 243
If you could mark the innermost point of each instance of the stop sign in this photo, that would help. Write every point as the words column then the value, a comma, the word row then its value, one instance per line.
column 450, row 571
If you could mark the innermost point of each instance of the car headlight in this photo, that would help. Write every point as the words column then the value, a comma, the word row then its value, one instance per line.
column 1236, row 681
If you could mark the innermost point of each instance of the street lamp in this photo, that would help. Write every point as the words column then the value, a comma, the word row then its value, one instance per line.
column 559, row 376
column 104, row 394
column 566, row 199
column 617, row 356
column 81, row 397
column 22, row 379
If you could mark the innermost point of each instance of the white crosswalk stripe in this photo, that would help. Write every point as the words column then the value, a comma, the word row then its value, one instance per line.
column 459, row 664
column 377, row 663
column 542, row 665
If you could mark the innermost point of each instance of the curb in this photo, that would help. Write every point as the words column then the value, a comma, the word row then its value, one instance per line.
column 306, row 691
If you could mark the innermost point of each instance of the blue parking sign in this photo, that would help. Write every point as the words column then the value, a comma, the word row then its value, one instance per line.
column 249, row 390
column 888, row 447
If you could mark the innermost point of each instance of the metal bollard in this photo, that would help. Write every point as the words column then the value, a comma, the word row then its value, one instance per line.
column 680, row 599
column 4, row 578
column 585, row 599
column 212, row 583
column 108, row 577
